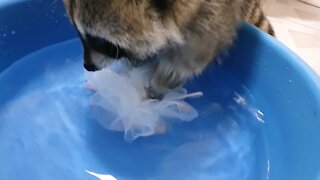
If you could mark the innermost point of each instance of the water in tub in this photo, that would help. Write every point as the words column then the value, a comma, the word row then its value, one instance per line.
column 50, row 130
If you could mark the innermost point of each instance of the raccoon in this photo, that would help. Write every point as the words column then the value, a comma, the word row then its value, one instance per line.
column 181, row 36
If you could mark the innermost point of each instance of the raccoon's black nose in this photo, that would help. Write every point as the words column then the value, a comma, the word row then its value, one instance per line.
column 90, row 67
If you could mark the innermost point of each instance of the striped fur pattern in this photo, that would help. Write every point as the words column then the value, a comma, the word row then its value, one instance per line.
column 183, row 36
column 253, row 13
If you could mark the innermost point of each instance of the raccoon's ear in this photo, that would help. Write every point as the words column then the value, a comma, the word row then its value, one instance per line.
column 162, row 5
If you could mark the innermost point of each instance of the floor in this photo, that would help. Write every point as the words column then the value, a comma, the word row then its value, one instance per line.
column 297, row 25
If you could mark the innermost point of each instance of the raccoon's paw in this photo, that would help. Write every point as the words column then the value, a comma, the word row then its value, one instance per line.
column 153, row 94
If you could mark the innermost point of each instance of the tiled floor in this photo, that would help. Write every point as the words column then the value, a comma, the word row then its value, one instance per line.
column 297, row 25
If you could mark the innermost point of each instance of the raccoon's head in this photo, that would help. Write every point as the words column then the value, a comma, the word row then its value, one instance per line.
column 135, row 29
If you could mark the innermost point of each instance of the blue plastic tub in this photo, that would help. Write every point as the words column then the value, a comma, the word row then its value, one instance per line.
column 259, row 117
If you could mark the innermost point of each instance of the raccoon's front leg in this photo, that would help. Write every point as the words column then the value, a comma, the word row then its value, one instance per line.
column 167, row 76
column 182, row 62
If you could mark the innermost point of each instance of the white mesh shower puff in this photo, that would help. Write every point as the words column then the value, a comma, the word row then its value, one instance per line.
column 120, row 93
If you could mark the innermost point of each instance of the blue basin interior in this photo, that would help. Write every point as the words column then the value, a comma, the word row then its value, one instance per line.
column 47, row 130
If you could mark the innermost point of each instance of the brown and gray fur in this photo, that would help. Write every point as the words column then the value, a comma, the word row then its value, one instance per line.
column 253, row 13
column 184, row 35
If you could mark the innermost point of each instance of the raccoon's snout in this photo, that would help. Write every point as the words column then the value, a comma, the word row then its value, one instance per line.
column 97, row 51
column 88, row 64
column 94, row 61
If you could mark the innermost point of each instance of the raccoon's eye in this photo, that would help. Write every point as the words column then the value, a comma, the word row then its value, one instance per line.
column 161, row 5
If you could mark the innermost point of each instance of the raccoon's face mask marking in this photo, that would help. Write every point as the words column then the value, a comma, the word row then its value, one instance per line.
column 112, row 29
column 95, row 47
column 107, row 51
